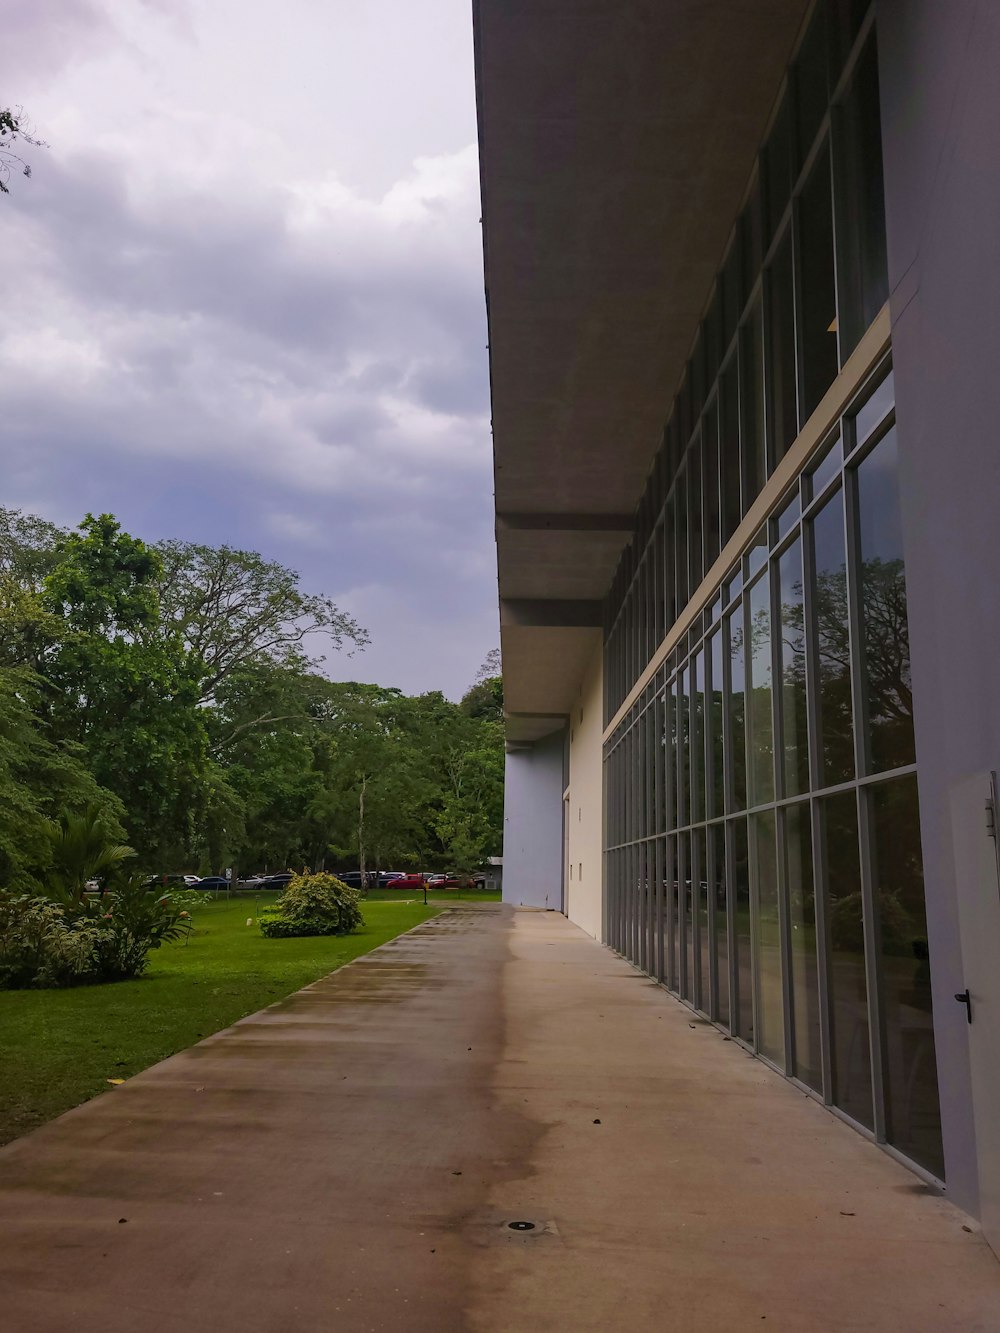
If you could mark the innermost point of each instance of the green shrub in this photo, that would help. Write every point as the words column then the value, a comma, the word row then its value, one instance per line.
column 47, row 944
column 313, row 905
column 41, row 945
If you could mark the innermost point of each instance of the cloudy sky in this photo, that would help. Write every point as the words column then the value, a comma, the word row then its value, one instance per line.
column 243, row 299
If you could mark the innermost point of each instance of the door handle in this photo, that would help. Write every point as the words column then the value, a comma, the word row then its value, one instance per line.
column 963, row 997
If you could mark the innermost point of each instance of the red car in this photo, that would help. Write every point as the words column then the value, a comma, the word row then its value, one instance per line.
column 407, row 882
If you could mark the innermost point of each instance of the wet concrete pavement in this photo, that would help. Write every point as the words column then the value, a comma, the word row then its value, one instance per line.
column 349, row 1159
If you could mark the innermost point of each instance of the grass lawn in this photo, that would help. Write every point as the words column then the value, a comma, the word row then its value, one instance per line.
column 433, row 896
column 59, row 1047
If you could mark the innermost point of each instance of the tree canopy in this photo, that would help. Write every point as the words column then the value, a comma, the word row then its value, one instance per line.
column 174, row 694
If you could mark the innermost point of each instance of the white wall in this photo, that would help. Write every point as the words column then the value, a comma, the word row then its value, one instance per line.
column 584, row 876
column 532, row 825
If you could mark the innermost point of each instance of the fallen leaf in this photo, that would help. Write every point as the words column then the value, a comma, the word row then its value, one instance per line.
column 114, row 1081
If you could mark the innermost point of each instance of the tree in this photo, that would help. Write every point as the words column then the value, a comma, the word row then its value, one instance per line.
column 233, row 608
column 13, row 127
column 121, row 687
column 82, row 849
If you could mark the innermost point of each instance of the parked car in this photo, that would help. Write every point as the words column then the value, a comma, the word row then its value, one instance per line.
column 413, row 881
column 352, row 878
column 450, row 882
column 388, row 876
column 169, row 881
column 212, row 883
column 279, row 881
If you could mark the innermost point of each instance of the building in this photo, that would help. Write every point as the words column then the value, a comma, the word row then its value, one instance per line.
column 743, row 283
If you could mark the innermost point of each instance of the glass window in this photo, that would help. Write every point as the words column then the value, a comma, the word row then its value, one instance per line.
column 737, row 710
column 795, row 737
column 753, row 237
column 767, row 938
column 729, row 449
column 670, row 912
column 807, row 1063
column 720, row 922
column 702, row 937
column 680, row 539
column 913, row 1116
column 781, row 351
column 826, row 469
column 683, row 748
column 698, row 736
column 818, row 325
column 716, row 792
column 685, row 927
column 850, row 1054
column 885, row 633
column 757, row 552
column 695, row 566
column 752, row 405
column 790, row 515
column 761, row 753
column 743, row 1000
column 833, row 656
column 874, row 410
column 777, row 166
column 710, row 483
column 732, row 296
column 811, row 92
column 846, row 17
column 862, row 267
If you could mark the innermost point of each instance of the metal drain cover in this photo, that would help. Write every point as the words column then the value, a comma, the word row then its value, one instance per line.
column 521, row 1226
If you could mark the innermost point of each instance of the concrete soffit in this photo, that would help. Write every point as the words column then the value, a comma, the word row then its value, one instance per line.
column 616, row 141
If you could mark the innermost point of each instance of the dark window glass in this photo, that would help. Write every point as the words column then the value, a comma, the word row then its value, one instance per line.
column 695, row 567
column 685, row 929
column 743, row 1000
column 729, row 449
column 811, row 91
column 732, row 292
column 806, row 1058
column 670, row 912
column 697, row 377
column 680, row 539
column 670, row 755
column 657, row 587
column 849, row 1033
column 713, row 335
column 885, row 632
column 845, row 19
column 720, row 921
column 698, row 736
column 710, row 483
column 702, row 937
column 862, row 267
column 818, row 328
column 737, row 716
column 761, row 753
column 715, row 706
column 795, row 738
column 756, row 556
column 683, row 748
column 777, row 166
column 833, row 659
column 752, row 405
column 913, row 1116
column 752, row 231
column 767, row 937
column 781, row 351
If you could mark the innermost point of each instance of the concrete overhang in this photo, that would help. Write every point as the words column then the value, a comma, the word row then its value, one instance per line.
column 616, row 141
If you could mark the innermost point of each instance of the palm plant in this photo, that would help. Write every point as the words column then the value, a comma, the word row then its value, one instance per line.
column 81, row 851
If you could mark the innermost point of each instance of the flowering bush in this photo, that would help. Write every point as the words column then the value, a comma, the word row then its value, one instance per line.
column 45, row 944
column 313, row 905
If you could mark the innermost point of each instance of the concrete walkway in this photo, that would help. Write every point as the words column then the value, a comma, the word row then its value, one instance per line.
column 349, row 1159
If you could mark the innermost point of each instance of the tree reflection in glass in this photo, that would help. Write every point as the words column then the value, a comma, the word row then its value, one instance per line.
column 886, row 639
column 833, row 643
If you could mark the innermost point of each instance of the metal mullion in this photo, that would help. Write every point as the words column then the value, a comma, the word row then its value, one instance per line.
column 778, row 780
column 876, row 1026
column 820, row 901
